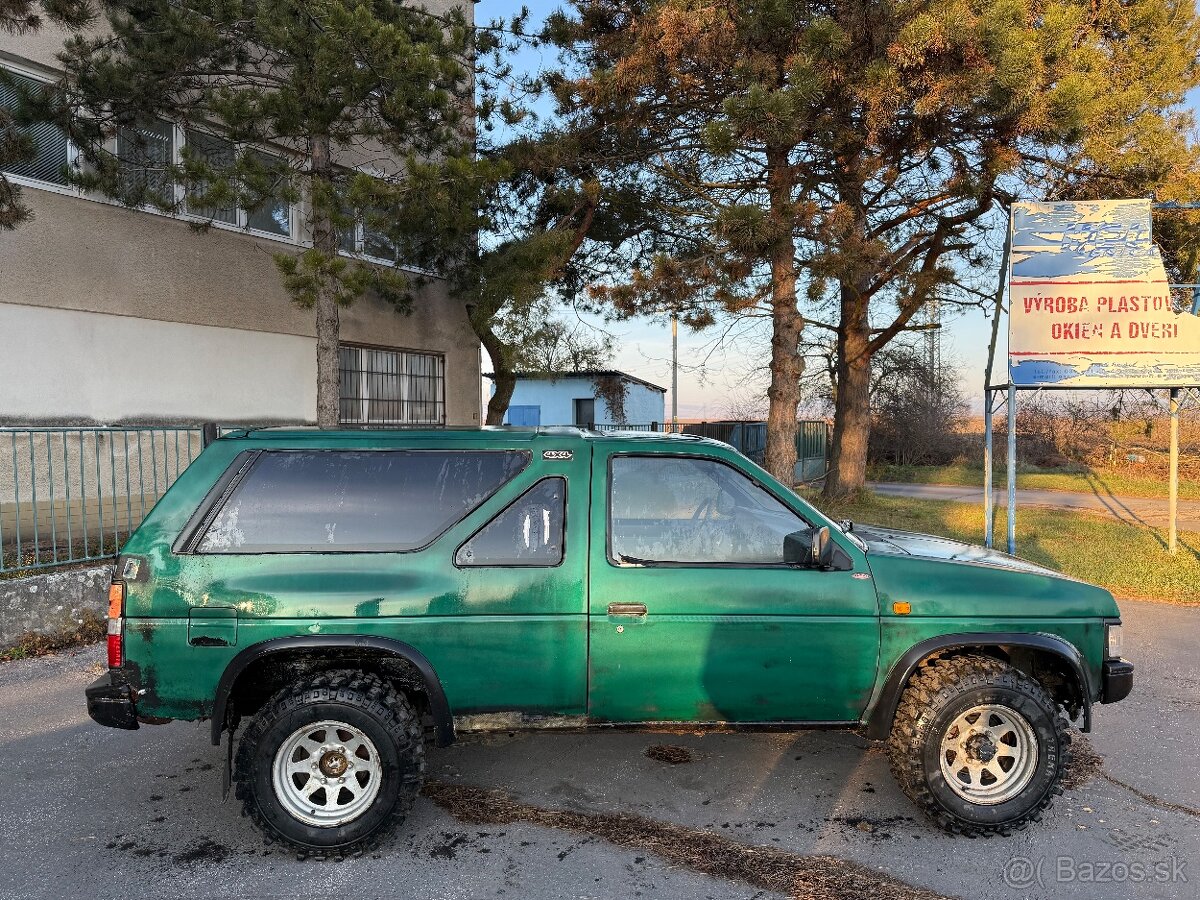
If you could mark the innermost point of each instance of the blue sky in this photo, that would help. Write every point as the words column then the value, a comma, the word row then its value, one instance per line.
column 720, row 381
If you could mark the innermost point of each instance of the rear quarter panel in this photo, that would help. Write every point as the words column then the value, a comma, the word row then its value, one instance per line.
column 498, row 638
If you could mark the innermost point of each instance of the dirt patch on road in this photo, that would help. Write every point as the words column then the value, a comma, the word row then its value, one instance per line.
column 799, row 876
column 669, row 753
column 1085, row 763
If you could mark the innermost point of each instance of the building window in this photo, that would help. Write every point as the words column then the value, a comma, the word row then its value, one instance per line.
column 363, row 240
column 392, row 387
column 145, row 154
column 52, row 152
column 273, row 217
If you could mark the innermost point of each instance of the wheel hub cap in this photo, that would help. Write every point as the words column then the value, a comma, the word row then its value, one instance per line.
column 327, row 774
column 333, row 763
column 989, row 754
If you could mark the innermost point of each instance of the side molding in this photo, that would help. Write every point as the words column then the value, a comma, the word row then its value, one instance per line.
column 883, row 709
column 438, row 705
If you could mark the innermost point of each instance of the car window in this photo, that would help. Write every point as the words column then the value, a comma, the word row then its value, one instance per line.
column 684, row 510
column 381, row 500
column 528, row 532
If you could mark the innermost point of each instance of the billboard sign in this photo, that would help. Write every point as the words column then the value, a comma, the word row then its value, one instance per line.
column 1089, row 302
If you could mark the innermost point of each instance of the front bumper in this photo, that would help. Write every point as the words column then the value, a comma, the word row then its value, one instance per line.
column 111, row 704
column 1117, row 680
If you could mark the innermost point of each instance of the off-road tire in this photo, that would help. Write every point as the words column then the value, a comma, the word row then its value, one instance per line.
column 940, row 691
column 370, row 704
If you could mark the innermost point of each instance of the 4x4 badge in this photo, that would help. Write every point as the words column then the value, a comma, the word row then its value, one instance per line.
column 558, row 454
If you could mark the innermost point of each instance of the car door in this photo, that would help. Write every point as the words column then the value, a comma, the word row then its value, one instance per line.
column 693, row 614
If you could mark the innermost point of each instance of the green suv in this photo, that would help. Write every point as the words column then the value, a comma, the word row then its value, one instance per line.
column 343, row 599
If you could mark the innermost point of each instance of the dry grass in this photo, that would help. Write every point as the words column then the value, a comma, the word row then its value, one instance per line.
column 30, row 645
column 796, row 875
column 1129, row 560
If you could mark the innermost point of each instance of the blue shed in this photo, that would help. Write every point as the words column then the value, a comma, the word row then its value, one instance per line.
column 594, row 398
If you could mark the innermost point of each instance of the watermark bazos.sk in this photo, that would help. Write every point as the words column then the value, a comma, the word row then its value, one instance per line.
column 1022, row 872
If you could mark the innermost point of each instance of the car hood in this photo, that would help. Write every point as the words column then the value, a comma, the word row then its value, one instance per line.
column 928, row 546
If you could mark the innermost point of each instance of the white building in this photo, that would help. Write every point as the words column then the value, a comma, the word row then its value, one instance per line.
column 115, row 315
column 595, row 397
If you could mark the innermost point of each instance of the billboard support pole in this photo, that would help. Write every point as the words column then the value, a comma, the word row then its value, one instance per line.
column 988, row 500
column 1173, row 503
column 1012, row 469
column 989, row 408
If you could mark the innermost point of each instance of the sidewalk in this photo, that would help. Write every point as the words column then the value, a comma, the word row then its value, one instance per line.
column 1133, row 510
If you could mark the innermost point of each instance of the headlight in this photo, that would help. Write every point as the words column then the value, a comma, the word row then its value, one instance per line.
column 1112, row 644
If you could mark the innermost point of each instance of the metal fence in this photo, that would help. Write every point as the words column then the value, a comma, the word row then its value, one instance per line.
column 71, row 495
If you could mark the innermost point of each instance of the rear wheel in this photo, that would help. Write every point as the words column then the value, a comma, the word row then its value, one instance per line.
column 979, row 745
column 330, row 766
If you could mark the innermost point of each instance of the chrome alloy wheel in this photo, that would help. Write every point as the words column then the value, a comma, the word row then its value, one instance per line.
column 989, row 754
column 327, row 773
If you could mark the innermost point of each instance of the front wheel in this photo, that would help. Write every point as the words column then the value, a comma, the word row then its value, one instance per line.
column 331, row 765
column 978, row 745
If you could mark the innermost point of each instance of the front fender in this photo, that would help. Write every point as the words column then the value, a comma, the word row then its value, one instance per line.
column 882, row 709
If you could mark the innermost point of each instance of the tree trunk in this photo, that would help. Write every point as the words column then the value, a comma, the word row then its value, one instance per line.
column 505, row 379
column 325, row 242
column 852, row 409
column 787, row 365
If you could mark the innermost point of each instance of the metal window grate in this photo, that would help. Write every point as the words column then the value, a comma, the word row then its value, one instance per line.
column 392, row 387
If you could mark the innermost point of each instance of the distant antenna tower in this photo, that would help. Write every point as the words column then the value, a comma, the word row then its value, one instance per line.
column 933, row 342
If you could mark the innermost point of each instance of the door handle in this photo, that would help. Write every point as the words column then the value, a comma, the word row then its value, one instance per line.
column 627, row 609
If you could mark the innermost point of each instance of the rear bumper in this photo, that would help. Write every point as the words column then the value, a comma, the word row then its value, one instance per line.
column 1117, row 680
column 110, row 704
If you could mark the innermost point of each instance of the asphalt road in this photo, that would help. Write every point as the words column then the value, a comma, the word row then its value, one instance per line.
column 1132, row 510
column 91, row 812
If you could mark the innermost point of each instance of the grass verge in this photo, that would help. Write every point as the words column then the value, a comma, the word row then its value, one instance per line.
column 1129, row 560
column 1094, row 481
column 91, row 630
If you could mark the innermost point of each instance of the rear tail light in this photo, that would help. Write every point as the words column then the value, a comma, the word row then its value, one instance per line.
column 116, row 625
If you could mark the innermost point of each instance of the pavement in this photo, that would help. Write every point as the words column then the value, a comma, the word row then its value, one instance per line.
column 1132, row 510
column 100, row 813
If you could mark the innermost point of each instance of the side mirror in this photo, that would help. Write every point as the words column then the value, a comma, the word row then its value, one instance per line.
column 822, row 548
column 811, row 549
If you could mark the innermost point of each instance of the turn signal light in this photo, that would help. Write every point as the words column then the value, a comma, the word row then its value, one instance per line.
column 902, row 607
column 116, row 600
column 116, row 625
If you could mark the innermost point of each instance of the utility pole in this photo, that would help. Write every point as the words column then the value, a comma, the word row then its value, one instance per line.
column 674, row 374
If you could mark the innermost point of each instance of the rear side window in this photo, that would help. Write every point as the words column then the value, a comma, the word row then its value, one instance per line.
column 527, row 532
column 371, row 500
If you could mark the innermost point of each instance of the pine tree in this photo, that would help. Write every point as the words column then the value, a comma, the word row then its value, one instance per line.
column 22, row 17
column 286, row 100
column 844, row 159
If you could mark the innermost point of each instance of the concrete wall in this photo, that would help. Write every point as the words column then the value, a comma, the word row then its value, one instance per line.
column 252, row 359
column 109, row 368
column 556, row 398
column 52, row 603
